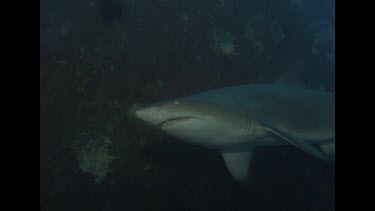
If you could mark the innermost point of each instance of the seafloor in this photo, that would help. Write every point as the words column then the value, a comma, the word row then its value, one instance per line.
column 100, row 58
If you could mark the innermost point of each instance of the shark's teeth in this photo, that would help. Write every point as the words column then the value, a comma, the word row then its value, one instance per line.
column 171, row 121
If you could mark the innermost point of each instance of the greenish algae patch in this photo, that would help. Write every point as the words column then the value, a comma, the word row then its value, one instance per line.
column 95, row 158
column 223, row 43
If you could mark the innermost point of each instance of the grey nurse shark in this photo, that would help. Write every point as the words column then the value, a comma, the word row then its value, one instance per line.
column 234, row 120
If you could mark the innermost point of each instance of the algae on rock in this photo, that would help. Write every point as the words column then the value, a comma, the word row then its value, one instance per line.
column 223, row 43
column 95, row 158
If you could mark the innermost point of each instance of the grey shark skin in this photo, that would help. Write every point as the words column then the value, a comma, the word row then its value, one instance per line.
column 236, row 119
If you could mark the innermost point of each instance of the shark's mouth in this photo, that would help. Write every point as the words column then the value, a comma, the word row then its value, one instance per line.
column 171, row 121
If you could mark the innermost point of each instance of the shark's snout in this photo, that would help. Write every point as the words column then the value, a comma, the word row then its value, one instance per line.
column 150, row 114
column 141, row 113
column 163, row 117
column 133, row 110
column 138, row 113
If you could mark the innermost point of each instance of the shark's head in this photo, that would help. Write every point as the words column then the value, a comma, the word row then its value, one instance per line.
column 194, row 121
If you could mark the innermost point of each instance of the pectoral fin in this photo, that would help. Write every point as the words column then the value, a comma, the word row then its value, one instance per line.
column 305, row 146
column 329, row 149
column 238, row 164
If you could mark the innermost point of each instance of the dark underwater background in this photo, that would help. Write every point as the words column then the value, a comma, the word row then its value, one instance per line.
column 100, row 58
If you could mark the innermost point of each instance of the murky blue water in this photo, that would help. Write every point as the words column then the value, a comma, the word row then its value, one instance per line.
column 99, row 58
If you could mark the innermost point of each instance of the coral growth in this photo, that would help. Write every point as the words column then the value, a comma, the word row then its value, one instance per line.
column 94, row 158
